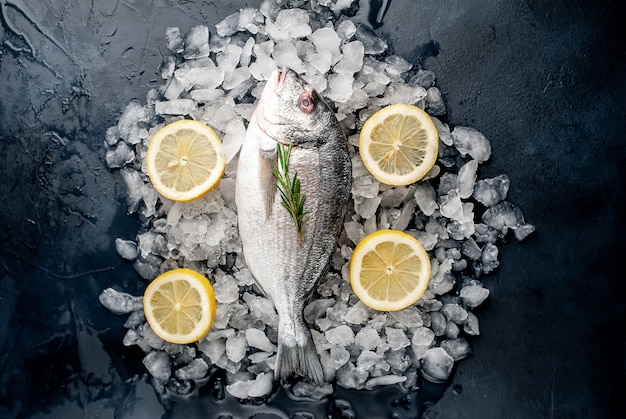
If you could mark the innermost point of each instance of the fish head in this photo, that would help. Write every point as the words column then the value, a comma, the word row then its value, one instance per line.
column 290, row 111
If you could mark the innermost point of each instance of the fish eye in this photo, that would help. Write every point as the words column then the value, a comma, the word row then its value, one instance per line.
column 306, row 102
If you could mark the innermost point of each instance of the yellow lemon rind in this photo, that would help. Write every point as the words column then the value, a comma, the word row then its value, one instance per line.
column 200, row 283
column 199, row 190
column 431, row 151
column 367, row 245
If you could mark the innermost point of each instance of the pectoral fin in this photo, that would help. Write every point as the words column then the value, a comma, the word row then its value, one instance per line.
column 267, row 180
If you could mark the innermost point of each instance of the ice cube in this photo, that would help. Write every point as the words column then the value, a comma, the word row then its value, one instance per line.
column 471, row 326
column 316, row 309
column 425, row 198
column 357, row 314
column 175, row 107
column 456, row 348
column 423, row 338
column 119, row 156
column 226, row 290
column 286, row 55
column 437, row 365
column 261, row 386
column 174, row 39
column 263, row 66
column 491, row 191
column 159, row 365
column 454, row 313
column 257, row 339
column 338, row 356
column 384, row 380
column 195, row 370
column 372, row 43
column 304, row 389
column 229, row 25
column 262, row 309
column 352, row 58
column 250, row 19
column 489, row 258
column 522, row 231
column 470, row 249
column 290, row 23
column 133, row 113
column 410, row 317
column 127, row 249
column 469, row 141
column 396, row 338
column 452, row 330
column 214, row 349
column 451, row 206
column 434, row 102
column 340, row 87
column 120, row 302
column 327, row 40
column 354, row 231
column 466, row 179
column 438, row 323
column 236, row 347
column 197, row 42
column 340, row 335
column 473, row 295
column 346, row 30
column 367, row 338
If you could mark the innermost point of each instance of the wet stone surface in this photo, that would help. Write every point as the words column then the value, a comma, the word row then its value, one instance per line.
column 64, row 83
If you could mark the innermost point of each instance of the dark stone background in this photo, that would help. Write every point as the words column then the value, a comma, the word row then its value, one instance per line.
column 543, row 80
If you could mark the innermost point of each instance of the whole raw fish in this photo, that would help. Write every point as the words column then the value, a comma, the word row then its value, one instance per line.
column 287, row 265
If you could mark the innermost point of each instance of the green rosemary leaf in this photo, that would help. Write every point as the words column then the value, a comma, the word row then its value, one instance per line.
column 292, row 199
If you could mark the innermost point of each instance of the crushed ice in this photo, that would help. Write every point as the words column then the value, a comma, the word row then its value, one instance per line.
column 215, row 77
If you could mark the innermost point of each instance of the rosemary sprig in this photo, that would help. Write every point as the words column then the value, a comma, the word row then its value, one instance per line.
column 292, row 200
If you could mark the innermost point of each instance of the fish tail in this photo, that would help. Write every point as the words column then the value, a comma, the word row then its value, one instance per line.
column 297, row 355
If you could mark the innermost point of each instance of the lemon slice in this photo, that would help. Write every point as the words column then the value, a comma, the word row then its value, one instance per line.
column 184, row 160
column 180, row 306
column 398, row 144
column 389, row 270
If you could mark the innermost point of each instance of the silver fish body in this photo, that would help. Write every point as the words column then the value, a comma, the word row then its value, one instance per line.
column 287, row 267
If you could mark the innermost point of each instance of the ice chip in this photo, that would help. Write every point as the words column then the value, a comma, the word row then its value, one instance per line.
column 491, row 191
column 346, row 29
column 384, row 380
column 262, row 309
column 286, row 55
column 473, row 295
column 456, row 348
column 339, row 356
column 214, row 349
column 340, row 87
column 451, row 206
column 259, row 387
column 434, row 102
column 466, row 179
column 175, row 107
column 236, row 347
column 120, row 302
column 228, row 26
column 489, row 258
column 134, row 184
column 327, row 40
column 469, row 141
column 454, row 313
column 174, row 39
column 523, row 231
column 257, row 339
column 197, row 42
column 367, row 339
column 226, row 290
column 127, row 249
column 425, row 198
column 352, row 58
column 503, row 214
column 119, row 156
column 340, row 335
column 437, row 365
column 195, row 370
column 372, row 43
column 396, row 65
column 396, row 338
column 159, row 365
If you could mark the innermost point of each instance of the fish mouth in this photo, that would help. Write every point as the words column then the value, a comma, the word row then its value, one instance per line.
column 280, row 77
